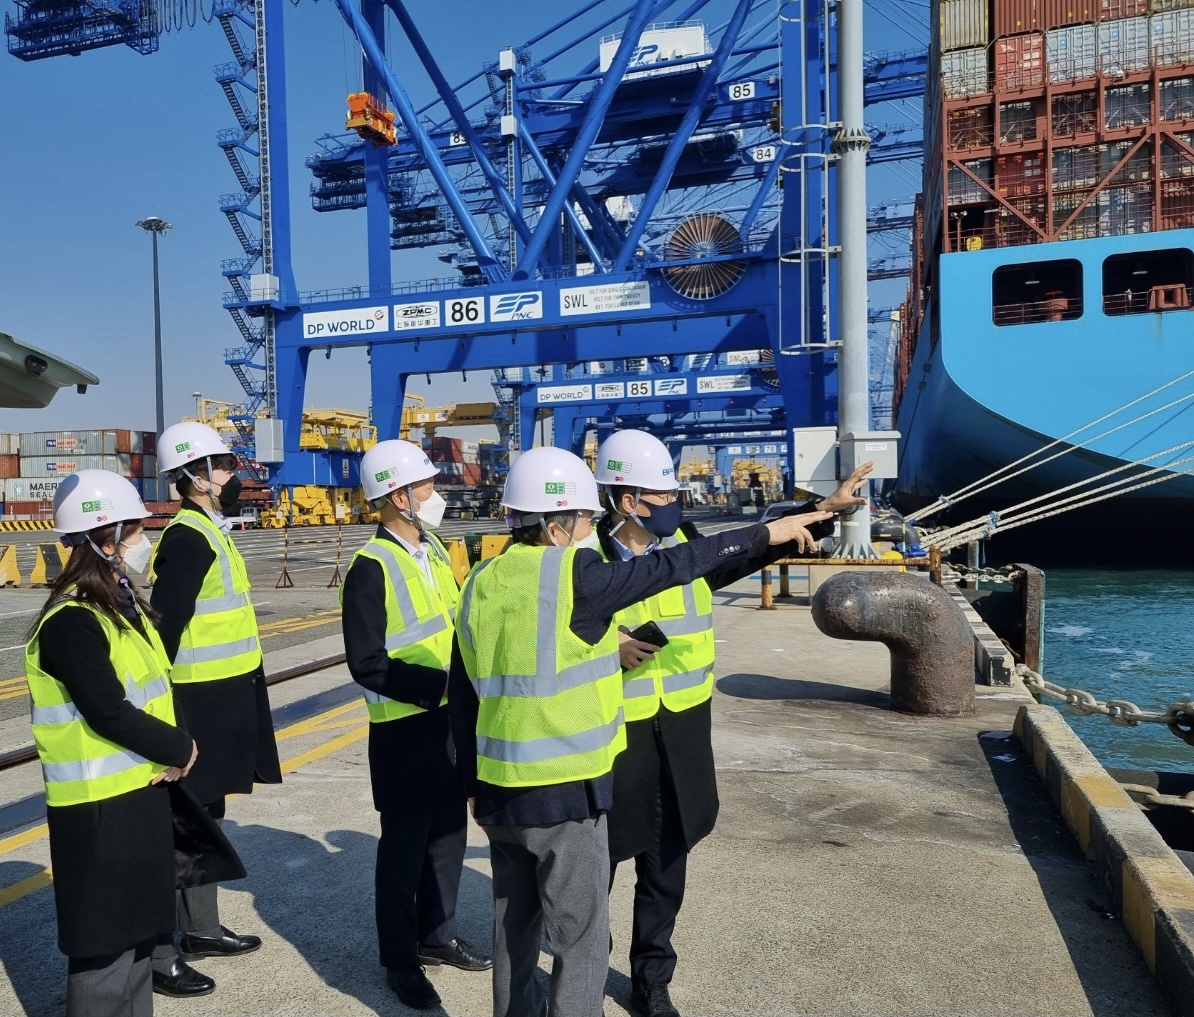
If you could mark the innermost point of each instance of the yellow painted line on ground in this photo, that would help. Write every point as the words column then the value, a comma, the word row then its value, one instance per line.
column 37, row 881
column 16, row 693
column 9, row 683
column 312, row 724
column 24, row 837
column 26, row 886
column 290, row 765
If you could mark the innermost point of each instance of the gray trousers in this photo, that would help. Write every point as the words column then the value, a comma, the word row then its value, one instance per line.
column 198, row 915
column 555, row 877
column 117, row 986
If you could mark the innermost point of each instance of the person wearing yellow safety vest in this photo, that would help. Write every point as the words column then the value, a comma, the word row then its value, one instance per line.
column 209, row 629
column 399, row 598
column 104, row 724
column 537, row 717
column 665, row 787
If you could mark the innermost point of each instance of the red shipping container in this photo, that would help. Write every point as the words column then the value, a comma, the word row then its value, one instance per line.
column 124, row 442
column 1015, row 16
column 1113, row 10
column 10, row 467
column 136, row 464
column 1020, row 62
column 1059, row 13
column 36, row 509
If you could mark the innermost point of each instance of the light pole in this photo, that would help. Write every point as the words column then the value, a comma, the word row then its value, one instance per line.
column 154, row 227
column 198, row 396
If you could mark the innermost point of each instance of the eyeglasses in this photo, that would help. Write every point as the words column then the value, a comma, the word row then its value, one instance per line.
column 664, row 497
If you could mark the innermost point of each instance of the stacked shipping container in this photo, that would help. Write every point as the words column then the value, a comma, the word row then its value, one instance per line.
column 1058, row 119
column 33, row 464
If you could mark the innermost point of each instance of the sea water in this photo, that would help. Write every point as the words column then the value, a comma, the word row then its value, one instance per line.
column 1123, row 635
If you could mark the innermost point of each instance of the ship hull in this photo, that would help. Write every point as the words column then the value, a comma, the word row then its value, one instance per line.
column 983, row 396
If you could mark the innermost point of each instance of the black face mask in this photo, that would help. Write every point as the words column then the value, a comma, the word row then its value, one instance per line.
column 663, row 521
column 230, row 494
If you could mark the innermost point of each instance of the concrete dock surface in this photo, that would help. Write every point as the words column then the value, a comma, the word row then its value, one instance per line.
column 864, row 863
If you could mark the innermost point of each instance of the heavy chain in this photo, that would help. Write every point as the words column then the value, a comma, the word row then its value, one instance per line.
column 1178, row 717
column 954, row 573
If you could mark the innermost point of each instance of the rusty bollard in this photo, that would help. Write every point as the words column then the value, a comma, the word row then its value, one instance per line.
column 932, row 648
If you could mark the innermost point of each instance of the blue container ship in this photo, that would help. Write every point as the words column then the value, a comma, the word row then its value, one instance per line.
column 1048, row 323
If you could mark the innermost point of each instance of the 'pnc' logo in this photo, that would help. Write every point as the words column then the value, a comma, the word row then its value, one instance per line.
column 516, row 306
column 671, row 386
column 643, row 54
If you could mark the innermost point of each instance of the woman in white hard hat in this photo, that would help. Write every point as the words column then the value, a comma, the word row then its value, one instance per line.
column 103, row 720
column 536, row 705
column 209, row 629
column 665, row 786
column 398, row 600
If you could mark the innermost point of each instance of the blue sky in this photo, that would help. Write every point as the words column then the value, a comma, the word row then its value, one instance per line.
column 101, row 140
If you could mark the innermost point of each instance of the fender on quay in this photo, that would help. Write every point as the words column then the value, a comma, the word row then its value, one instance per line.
column 932, row 647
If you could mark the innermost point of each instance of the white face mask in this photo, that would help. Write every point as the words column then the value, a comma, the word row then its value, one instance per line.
column 431, row 512
column 136, row 556
column 592, row 541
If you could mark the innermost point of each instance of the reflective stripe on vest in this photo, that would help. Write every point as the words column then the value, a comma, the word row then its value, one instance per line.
column 221, row 639
column 550, row 704
column 679, row 676
column 79, row 765
column 417, row 633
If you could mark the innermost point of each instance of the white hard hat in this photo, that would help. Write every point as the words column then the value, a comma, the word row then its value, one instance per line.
column 92, row 498
column 188, row 442
column 392, row 465
column 550, row 479
column 636, row 459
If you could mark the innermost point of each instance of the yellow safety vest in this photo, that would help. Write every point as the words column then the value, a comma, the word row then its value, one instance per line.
column 419, row 615
column 79, row 765
column 221, row 639
column 550, row 704
column 680, row 676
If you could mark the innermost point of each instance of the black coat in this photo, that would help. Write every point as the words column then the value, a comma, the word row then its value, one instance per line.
column 412, row 760
column 229, row 719
column 113, row 860
column 675, row 748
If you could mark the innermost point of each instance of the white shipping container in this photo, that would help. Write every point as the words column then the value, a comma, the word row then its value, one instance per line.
column 963, row 23
column 1071, row 53
column 1156, row 6
column 62, row 466
column 30, row 488
column 1124, row 45
column 1172, row 37
column 657, row 44
column 68, row 443
column 964, row 73
column 10, row 444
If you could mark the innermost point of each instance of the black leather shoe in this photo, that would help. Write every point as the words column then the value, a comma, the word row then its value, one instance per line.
column 228, row 945
column 653, row 1001
column 182, row 980
column 413, row 987
column 459, row 953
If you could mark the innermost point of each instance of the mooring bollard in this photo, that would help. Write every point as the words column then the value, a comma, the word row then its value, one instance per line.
column 932, row 647
column 785, row 583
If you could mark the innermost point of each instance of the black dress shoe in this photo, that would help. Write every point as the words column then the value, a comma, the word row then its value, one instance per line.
column 653, row 1001
column 413, row 987
column 460, row 953
column 228, row 945
column 182, row 980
